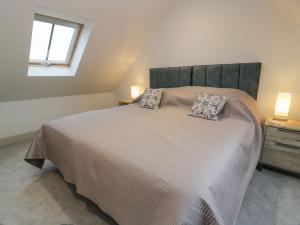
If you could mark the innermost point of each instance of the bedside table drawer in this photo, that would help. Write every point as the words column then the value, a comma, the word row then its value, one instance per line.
column 283, row 141
column 282, row 155
column 283, row 133
column 284, row 147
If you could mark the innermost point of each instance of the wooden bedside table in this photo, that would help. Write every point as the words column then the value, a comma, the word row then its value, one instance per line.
column 125, row 102
column 281, row 148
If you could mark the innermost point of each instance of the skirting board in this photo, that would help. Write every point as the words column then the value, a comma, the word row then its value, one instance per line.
column 16, row 139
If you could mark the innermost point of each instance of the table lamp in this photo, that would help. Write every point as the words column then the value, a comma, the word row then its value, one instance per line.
column 135, row 92
column 282, row 107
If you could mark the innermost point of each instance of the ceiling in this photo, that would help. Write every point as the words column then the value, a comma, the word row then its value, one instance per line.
column 288, row 8
column 120, row 30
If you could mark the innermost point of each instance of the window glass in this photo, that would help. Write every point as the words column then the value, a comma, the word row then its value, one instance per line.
column 40, row 40
column 60, row 44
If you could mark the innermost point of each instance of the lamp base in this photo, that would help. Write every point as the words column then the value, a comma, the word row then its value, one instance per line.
column 280, row 118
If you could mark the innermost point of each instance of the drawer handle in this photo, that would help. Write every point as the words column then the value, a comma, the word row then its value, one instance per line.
column 287, row 146
column 289, row 131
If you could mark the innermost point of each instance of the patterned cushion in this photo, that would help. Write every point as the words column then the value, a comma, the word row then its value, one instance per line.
column 151, row 98
column 208, row 106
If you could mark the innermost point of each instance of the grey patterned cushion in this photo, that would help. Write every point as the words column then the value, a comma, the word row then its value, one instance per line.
column 208, row 106
column 151, row 98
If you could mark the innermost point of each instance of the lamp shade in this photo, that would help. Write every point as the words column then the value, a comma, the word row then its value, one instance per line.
column 135, row 91
column 282, row 107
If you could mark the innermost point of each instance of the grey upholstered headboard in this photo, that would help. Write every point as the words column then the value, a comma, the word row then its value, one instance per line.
column 243, row 76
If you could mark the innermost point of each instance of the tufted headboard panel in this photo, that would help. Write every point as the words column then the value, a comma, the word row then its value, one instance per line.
column 243, row 76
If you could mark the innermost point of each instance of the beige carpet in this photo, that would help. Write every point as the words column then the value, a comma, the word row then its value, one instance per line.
column 29, row 196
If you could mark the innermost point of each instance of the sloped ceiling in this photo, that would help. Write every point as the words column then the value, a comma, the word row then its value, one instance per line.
column 120, row 30
column 288, row 8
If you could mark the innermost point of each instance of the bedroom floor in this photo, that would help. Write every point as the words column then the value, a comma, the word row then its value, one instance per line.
column 29, row 196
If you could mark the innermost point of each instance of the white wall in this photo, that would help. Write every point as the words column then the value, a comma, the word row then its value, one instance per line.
column 20, row 117
column 196, row 32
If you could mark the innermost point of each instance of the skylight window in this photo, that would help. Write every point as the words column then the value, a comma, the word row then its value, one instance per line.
column 53, row 41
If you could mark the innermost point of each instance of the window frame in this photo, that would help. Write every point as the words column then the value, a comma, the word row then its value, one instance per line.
column 73, row 45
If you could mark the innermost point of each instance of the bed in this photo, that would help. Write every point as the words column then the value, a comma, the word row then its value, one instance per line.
column 163, row 167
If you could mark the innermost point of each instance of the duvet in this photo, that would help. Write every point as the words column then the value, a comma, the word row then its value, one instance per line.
column 158, row 167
